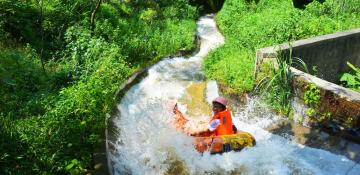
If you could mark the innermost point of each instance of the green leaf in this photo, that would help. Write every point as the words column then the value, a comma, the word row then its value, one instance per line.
column 73, row 163
column 68, row 167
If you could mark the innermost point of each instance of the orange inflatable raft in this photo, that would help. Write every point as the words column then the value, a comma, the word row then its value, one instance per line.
column 215, row 144
column 225, row 143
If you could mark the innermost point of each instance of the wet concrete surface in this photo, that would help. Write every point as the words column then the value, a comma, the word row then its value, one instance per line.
column 194, row 99
column 317, row 138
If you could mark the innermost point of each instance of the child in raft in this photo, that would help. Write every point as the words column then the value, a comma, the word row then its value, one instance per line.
column 220, row 123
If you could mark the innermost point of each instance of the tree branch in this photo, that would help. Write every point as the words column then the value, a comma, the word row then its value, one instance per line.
column 93, row 14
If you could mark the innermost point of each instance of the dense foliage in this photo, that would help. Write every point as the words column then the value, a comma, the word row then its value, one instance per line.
column 249, row 25
column 59, row 71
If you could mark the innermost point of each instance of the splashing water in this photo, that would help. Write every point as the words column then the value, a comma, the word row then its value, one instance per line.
column 147, row 143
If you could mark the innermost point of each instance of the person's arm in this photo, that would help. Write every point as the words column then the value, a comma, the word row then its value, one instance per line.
column 179, row 120
column 176, row 109
column 178, row 113
column 213, row 125
column 205, row 133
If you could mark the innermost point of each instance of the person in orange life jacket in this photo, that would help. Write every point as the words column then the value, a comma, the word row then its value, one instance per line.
column 221, row 123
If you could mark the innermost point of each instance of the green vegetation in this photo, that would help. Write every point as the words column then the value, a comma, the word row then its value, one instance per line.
column 60, row 68
column 249, row 25
column 312, row 95
column 312, row 100
column 276, row 85
column 351, row 81
column 278, row 90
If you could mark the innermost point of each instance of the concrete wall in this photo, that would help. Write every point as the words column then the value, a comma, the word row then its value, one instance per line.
column 343, row 103
column 330, row 54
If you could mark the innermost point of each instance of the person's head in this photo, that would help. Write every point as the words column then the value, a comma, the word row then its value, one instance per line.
column 219, row 104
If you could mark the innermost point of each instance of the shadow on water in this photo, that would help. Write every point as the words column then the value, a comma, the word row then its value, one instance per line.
column 317, row 137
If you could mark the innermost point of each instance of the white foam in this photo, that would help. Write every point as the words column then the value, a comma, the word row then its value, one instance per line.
column 212, row 91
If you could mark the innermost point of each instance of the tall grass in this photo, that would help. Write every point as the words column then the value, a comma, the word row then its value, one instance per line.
column 277, row 88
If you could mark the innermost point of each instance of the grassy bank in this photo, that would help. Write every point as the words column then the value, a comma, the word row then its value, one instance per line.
column 59, row 72
column 248, row 25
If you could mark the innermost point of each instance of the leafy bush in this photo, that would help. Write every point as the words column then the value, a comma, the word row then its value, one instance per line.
column 40, row 23
column 147, row 37
column 312, row 100
column 71, row 128
column 230, row 74
column 22, row 82
column 351, row 81
column 312, row 95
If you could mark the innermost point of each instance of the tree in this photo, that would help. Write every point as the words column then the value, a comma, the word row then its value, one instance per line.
column 93, row 14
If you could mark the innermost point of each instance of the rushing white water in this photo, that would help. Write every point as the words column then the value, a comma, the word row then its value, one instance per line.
column 148, row 144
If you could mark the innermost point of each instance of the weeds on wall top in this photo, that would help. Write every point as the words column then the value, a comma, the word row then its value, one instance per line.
column 312, row 99
column 351, row 81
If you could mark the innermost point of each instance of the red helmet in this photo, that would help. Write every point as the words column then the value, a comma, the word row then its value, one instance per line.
column 221, row 100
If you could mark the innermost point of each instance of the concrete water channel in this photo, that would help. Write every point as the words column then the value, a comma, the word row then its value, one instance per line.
column 143, row 150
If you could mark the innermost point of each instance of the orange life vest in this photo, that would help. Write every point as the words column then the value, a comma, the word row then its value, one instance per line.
column 225, row 127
